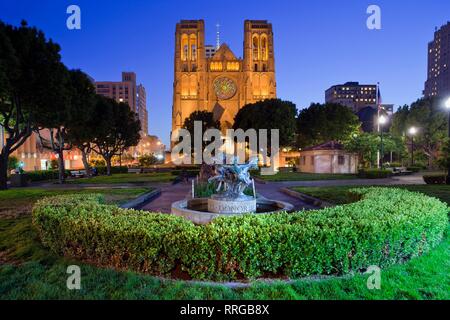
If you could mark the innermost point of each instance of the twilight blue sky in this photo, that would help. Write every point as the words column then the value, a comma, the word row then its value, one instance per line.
column 317, row 43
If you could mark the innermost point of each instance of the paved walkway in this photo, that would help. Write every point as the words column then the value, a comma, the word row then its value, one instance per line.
column 169, row 193
column 402, row 180
column 271, row 190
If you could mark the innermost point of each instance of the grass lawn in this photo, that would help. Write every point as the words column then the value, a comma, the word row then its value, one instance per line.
column 15, row 202
column 302, row 176
column 338, row 195
column 30, row 271
column 127, row 178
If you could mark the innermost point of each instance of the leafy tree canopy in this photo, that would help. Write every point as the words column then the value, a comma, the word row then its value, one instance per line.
column 269, row 114
column 428, row 115
column 207, row 119
column 325, row 122
column 32, row 77
column 117, row 129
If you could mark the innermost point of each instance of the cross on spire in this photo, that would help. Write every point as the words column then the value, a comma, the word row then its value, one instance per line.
column 218, row 36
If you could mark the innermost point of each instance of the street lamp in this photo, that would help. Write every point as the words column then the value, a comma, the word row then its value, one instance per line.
column 412, row 133
column 382, row 121
column 447, row 106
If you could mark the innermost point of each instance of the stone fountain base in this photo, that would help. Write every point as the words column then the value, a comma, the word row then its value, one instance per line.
column 222, row 205
column 197, row 211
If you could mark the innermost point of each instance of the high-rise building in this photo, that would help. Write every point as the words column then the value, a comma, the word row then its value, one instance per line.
column 353, row 95
column 438, row 81
column 210, row 51
column 121, row 91
column 127, row 91
column 220, row 82
column 142, row 108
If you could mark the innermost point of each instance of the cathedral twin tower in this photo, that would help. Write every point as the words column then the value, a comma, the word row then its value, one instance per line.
column 219, row 82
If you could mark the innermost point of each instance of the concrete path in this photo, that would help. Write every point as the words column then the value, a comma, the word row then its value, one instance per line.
column 271, row 190
column 169, row 193
column 402, row 180
column 180, row 191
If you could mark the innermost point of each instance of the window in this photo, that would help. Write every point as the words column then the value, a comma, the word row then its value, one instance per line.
column 312, row 160
column 341, row 160
column 255, row 47
column 303, row 160
column 256, row 67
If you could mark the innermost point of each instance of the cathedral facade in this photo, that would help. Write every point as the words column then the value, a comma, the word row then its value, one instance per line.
column 220, row 82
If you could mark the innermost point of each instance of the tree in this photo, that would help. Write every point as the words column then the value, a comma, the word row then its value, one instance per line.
column 117, row 129
column 82, row 129
column 428, row 115
column 399, row 121
column 29, row 73
column 13, row 163
column 55, row 118
column 207, row 119
column 321, row 123
column 269, row 114
column 148, row 160
column 208, row 122
column 367, row 145
column 444, row 159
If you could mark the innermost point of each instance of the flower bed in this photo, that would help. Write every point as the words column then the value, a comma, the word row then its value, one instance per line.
column 384, row 227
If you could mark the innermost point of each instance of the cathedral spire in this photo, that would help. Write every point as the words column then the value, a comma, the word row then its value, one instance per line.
column 217, row 36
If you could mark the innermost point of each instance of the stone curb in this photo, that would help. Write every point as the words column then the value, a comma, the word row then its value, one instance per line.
column 141, row 200
column 250, row 283
column 259, row 180
column 306, row 198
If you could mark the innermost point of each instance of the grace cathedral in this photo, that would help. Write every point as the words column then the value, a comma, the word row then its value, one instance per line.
column 213, row 79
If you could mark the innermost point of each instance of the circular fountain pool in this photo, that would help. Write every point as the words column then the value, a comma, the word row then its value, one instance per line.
column 196, row 210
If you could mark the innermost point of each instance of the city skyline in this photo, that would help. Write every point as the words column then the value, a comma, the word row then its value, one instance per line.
column 317, row 45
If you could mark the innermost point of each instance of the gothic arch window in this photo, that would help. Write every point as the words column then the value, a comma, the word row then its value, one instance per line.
column 193, row 47
column 264, row 85
column 264, row 48
column 193, row 85
column 184, row 85
column 178, row 120
column 255, row 47
column 184, row 47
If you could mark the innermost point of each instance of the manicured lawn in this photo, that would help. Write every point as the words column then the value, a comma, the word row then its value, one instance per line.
column 301, row 176
column 338, row 195
column 14, row 202
column 127, row 178
column 30, row 271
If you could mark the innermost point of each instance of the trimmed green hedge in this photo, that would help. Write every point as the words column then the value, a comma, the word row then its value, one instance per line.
column 43, row 175
column 414, row 168
column 435, row 179
column 102, row 170
column 384, row 227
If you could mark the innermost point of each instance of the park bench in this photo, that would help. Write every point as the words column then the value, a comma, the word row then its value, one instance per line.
column 134, row 170
column 401, row 171
column 78, row 173
column 285, row 169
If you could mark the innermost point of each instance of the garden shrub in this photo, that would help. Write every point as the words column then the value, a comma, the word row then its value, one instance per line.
column 116, row 169
column 434, row 179
column 374, row 173
column 43, row 175
column 386, row 226
column 414, row 168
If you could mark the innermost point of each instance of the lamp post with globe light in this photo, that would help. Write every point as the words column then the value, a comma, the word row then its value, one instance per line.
column 447, row 106
column 381, row 121
column 412, row 132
